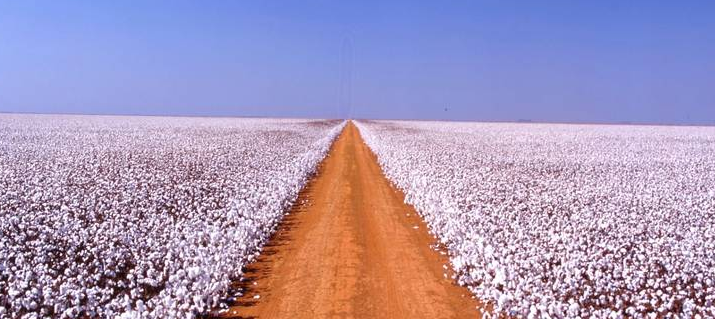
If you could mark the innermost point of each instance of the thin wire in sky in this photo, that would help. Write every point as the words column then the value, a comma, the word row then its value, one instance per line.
column 346, row 78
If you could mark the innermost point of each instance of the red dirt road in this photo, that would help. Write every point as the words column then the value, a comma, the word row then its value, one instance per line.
column 352, row 249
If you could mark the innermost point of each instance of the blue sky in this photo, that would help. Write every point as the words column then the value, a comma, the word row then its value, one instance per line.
column 574, row 61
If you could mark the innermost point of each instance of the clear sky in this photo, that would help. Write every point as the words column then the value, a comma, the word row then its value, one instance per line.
column 583, row 61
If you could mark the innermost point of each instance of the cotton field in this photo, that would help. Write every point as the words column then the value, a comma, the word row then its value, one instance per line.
column 565, row 221
column 147, row 217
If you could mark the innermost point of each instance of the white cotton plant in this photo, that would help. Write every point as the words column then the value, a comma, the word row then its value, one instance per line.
column 565, row 221
column 141, row 217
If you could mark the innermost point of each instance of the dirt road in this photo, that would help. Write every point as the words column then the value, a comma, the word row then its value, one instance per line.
column 352, row 249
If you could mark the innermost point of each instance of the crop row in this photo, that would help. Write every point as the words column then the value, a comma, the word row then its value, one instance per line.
column 565, row 221
column 141, row 216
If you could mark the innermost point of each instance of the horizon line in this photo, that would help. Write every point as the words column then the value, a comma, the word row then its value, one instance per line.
column 515, row 121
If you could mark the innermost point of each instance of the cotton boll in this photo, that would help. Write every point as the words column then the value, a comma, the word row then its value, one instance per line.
column 500, row 277
column 503, row 301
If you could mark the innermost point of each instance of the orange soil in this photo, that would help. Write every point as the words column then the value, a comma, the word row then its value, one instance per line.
column 351, row 248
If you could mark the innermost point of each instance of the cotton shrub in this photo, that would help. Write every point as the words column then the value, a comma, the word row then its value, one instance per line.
column 141, row 217
column 565, row 221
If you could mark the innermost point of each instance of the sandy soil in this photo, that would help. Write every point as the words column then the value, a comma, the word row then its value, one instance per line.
column 351, row 248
